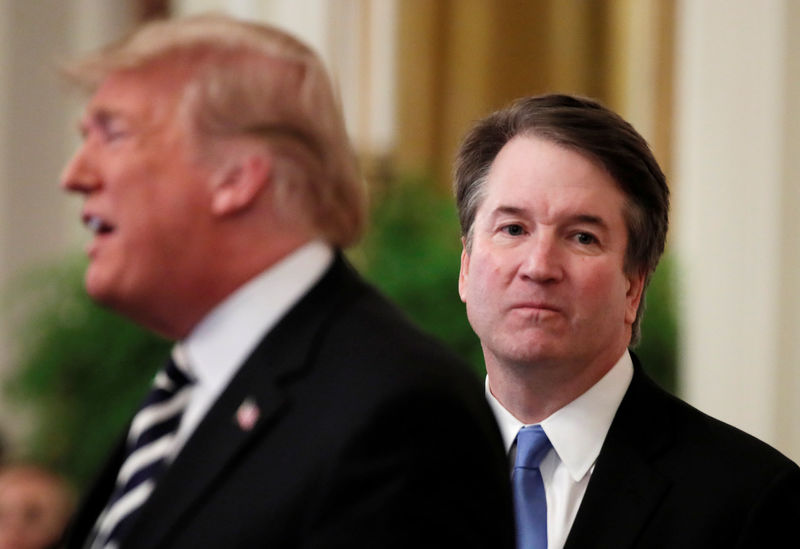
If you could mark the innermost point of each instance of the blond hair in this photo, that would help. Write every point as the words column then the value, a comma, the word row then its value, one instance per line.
column 252, row 79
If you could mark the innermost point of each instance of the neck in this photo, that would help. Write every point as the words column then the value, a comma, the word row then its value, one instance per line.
column 534, row 391
column 174, row 316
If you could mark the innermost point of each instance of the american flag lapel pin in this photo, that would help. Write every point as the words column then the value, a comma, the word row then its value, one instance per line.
column 248, row 413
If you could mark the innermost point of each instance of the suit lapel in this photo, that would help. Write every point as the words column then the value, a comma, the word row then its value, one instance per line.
column 202, row 462
column 625, row 488
column 245, row 411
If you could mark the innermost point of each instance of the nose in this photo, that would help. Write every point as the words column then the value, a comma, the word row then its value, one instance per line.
column 543, row 261
column 79, row 175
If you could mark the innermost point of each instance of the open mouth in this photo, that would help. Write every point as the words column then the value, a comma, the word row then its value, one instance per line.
column 98, row 225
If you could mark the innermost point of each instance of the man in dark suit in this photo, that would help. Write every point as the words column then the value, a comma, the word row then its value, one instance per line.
column 564, row 214
column 300, row 408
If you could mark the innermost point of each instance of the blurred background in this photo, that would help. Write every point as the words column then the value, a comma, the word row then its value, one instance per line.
column 712, row 84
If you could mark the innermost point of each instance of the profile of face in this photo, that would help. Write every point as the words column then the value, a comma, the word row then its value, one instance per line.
column 543, row 279
column 34, row 509
column 144, row 191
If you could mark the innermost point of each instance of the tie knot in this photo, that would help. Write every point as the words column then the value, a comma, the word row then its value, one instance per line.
column 532, row 446
column 176, row 376
column 170, row 381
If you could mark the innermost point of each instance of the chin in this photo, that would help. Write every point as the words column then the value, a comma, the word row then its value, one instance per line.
column 99, row 289
column 100, row 296
column 93, row 287
column 529, row 354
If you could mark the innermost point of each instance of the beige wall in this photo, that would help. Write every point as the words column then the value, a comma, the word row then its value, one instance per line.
column 38, row 223
column 736, row 226
column 32, row 33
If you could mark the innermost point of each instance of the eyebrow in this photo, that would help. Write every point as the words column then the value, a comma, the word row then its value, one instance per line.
column 588, row 219
column 100, row 116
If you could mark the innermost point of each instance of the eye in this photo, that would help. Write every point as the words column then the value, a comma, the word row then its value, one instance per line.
column 109, row 127
column 585, row 238
column 514, row 229
column 114, row 132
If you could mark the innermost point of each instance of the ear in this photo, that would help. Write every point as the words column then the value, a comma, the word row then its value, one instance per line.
column 633, row 295
column 242, row 182
column 463, row 272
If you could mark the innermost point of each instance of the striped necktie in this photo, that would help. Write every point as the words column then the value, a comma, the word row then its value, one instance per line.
column 149, row 450
column 530, row 503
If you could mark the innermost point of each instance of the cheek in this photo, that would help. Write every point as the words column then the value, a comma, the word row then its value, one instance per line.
column 483, row 289
column 481, row 274
column 605, row 287
column 131, row 187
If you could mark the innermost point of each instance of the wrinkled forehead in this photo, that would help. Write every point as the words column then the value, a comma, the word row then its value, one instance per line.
column 543, row 180
column 529, row 156
column 28, row 485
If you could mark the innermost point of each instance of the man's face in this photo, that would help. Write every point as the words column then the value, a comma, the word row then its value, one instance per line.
column 543, row 281
column 33, row 510
column 146, row 198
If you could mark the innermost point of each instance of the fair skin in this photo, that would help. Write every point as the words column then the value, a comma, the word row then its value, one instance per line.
column 172, row 235
column 543, row 277
column 34, row 508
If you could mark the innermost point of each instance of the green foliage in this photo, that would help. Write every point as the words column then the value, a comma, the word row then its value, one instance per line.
column 81, row 370
column 658, row 347
column 412, row 253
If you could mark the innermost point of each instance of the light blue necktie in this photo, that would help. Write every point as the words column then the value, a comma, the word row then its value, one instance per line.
column 530, row 504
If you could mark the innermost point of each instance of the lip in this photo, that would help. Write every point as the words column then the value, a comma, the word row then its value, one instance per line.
column 96, row 223
column 100, row 229
column 87, row 216
column 536, row 305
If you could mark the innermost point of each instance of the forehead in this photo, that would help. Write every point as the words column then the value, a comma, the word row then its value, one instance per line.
column 144, row 94
column 23, row 484
column 532, row 172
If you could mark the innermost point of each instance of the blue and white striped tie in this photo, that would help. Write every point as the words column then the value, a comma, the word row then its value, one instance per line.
column 149, row 450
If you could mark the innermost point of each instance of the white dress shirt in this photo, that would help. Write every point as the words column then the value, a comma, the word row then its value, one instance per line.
column 577, row 432
column 218, row 346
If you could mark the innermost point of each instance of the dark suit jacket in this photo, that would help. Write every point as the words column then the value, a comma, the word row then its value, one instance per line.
column 671, row 476
column 369, row 435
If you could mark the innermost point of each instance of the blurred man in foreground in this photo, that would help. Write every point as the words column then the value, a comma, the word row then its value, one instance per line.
column 564, row 215
column 299, row 409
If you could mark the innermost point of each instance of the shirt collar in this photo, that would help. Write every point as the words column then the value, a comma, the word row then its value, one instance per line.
column 221, row 342
column 577, row 430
